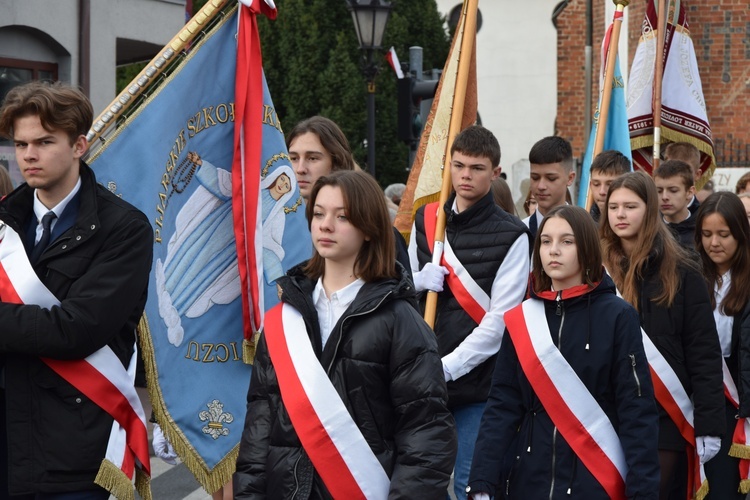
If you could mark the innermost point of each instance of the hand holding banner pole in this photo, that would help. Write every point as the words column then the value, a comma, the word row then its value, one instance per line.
column 469, row 14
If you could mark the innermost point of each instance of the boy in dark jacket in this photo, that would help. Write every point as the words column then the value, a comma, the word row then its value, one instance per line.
column 606, row 167
column 487, row 251
column 73, row 291
column 676, row 188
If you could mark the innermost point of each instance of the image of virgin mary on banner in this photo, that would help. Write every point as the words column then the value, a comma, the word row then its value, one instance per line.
column 173, row 158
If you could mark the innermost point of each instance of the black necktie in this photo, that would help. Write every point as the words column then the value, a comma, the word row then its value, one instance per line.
column 44, row 241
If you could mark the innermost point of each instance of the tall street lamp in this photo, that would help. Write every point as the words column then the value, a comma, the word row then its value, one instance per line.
column 370, row 18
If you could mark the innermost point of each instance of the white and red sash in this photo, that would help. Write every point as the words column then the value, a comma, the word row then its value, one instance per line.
column 567, row 400
column 741, row 437
column 473, row 299
column 329, row 435
column 672, row 396
column 101, row 377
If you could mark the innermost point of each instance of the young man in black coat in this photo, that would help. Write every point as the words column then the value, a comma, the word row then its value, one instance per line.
column 93, row 252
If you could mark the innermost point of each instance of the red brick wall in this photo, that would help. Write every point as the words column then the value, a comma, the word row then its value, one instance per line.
column 720, row 30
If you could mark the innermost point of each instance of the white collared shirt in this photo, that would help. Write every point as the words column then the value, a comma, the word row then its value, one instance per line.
column 40, row 210
column 330, row 310
column 724, row 323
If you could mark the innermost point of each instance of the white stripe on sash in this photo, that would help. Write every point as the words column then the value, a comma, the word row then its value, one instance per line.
column 471, row 286
column 570, row 387
column 21, row 274
column 335, row 418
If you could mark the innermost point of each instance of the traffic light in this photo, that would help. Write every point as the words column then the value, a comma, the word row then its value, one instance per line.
column 410, row 95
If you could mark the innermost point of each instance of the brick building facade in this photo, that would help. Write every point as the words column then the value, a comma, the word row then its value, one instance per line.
column 720, row 30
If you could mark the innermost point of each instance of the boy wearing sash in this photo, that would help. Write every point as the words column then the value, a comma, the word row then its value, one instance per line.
column 572, row 405
column 483, row 273
column 74, row 266
column 551, row 175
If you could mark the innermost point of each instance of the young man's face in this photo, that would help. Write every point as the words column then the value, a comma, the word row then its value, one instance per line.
column 48, row 162
column 549, row 184
column 674, row 198
column 600, row 183
column 472, row 178
column 310, row 161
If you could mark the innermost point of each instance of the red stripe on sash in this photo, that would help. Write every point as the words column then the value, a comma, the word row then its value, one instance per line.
column 310, row 430
column 108, row 397
column 8, row 294
column 467, row 301
column 593, row 457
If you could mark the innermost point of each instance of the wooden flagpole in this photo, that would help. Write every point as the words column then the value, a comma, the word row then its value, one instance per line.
column 609, row 76
column 155, row 67
column 464, row 63
column 661, row 35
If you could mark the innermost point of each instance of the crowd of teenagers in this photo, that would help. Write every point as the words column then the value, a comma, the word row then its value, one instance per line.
column 574, row 354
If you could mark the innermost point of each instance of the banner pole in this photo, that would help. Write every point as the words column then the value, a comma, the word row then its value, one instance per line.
column 467, row 46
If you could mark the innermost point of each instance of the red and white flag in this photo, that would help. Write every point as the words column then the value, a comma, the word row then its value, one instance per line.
column 392, row 59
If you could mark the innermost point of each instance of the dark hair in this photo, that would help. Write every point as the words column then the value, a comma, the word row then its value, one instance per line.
column 730, row 208
column 501, row 195
column 742, row 183
column 552, row 149
column 478, row 142
column 675, row 168
column 611, row 162
column 6, row 186
column 686, row 152
column 331, row 138
column 655, row 244
column 366, row 210
column 587, row 246
column 58, row 106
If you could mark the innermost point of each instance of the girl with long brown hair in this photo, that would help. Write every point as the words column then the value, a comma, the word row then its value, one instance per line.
column 723, row 242
column 660, row 280
column 346, row 359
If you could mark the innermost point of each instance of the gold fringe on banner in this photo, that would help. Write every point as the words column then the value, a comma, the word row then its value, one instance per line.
column 211, row 480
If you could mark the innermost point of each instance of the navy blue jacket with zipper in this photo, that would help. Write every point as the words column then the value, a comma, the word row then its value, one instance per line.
column 517, row 433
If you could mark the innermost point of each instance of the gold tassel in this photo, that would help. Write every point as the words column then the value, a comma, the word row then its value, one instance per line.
column 744, row 486
column 112, row 479
column 143, row 484
column 248, row 349
column 702, row 491
column 739, row 451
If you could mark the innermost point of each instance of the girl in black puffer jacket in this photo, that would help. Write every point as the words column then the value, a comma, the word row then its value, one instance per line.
column 656, row 275
column 377, row 356
column 723, row 242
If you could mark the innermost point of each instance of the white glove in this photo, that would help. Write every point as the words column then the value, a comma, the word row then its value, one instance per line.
column 707, row 447
column 162, row 448
column 480, row 496
column 431, row 277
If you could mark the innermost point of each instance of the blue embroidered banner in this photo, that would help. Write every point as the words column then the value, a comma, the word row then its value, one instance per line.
column 173, row 159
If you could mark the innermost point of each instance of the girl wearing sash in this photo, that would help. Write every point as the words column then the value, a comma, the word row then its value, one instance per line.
column 723, row 241
column 663, row 282
column 571, row 410
column 347, row 397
